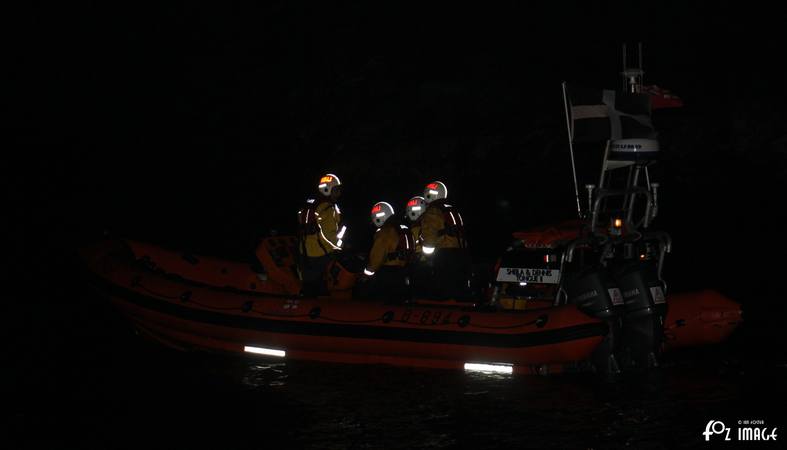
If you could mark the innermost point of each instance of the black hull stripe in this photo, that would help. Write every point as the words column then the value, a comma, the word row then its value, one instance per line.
column 382, row 331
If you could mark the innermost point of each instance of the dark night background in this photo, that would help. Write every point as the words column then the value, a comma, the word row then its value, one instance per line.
column 203, row 127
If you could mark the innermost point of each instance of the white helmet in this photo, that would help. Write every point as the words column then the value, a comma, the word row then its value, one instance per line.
column 435, row 190
column 381, row 211
column 328, row 183
column 415, row 207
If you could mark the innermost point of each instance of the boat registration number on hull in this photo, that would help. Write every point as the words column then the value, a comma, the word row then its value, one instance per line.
column 522, row 275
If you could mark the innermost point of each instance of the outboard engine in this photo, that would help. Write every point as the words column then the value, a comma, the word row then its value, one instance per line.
column 645, row 311
column 597, row 295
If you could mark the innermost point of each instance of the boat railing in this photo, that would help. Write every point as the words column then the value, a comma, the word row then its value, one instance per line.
column 602, row 194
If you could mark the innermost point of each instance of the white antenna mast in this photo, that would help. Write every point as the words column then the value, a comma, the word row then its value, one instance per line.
column 633, row 76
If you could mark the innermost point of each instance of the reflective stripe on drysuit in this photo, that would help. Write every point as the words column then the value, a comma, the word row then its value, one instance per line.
column 325, row 241
column 415, row 232
column 441, row 227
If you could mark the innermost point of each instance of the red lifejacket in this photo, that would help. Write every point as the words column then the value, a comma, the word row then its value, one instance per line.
column 405, row 248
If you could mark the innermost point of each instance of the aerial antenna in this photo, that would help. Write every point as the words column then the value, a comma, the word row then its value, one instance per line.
column 624, row 59
column 642, row 74
column 571, row 150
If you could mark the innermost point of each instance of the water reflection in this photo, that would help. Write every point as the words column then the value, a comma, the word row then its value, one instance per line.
column 257, row 374
column 350, row 406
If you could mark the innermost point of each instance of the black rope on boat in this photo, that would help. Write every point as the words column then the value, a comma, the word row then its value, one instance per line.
column 191, row 259
column 219, row 308
column 144, row 288
column 246, row 307
column 379, row 319
column 539, row 321
column 316, row 312
column 289, row 316
column 184, row 297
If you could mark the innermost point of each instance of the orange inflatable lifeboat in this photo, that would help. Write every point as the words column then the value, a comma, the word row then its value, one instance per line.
column 193, row 302
column 201, row 303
